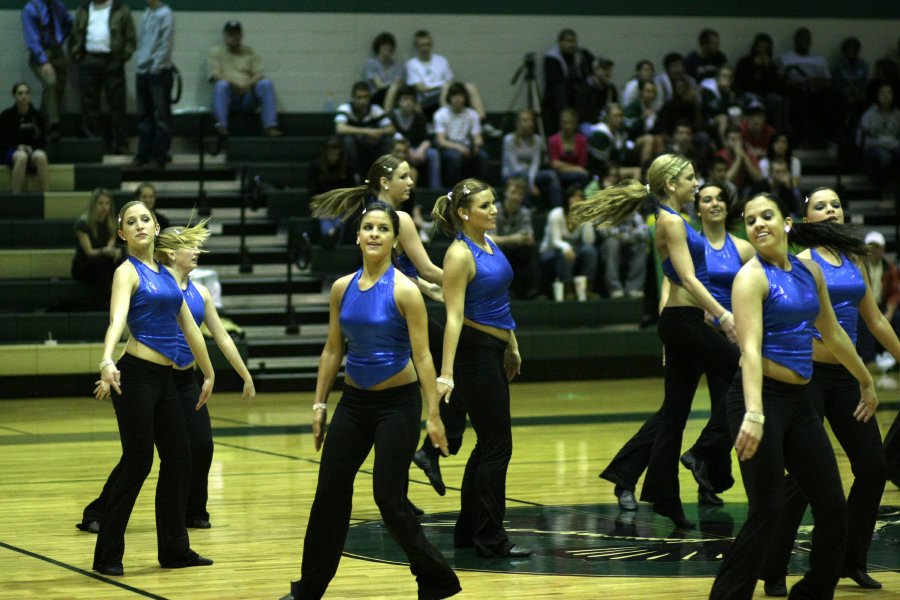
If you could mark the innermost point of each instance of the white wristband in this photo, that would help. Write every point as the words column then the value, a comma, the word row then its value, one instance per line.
column 320, row 406
column 755, row 417
column 106, row 363
column 446, row 381
column 725, row 315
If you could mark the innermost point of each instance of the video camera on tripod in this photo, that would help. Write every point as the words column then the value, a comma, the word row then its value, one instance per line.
column 527, row 67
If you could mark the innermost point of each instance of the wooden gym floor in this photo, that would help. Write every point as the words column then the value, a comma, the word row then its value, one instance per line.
column 56, row 453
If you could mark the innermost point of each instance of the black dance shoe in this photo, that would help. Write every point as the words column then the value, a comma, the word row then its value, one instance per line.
column 625, row 498
column 89, row 526
column 775, row 588
column 862, row 579
column 515, row 551
column 708, row 498
column 674, row 512
column 198, row 561
column 431, row 466
column 199, row 523
column 698, row 469
column 111, row 570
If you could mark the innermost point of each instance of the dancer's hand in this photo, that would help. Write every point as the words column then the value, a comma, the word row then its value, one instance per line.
column 249, row 392
column 101, row 392
column 111, row 376
column 205, row 391
column 435, row 428
column 748, row 439
column 868, row 402
column 512, row 363
column 728, row 329
column 320, row 416
column 444, row 391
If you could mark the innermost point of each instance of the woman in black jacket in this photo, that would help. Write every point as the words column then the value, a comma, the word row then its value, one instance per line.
column 22, row 140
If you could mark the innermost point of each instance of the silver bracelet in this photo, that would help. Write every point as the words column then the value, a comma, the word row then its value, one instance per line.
column 106, row 363
column 755, row 417
column 446, row 381
column 725, row 315
column 320, row 406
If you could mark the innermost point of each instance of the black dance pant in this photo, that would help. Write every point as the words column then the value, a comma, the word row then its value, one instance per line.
column 201, row 442
column 453, row 413
column 482, row 387
column 148, row 414
column 834, row 394
column 389, row 420
column 892, row 451
column 793, row 438
column 713, row 446
column 691, row 348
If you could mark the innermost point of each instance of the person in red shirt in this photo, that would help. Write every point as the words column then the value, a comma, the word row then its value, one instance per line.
column 743, row 166
column 756, row 132
column 568, row 151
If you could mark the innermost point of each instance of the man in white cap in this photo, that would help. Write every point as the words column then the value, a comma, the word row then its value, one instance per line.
column 885, row 281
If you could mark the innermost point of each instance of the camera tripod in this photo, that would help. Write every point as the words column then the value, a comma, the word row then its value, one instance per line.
column 526, row 81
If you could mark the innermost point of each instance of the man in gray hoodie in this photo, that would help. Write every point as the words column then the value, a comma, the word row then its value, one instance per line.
column 153, row 63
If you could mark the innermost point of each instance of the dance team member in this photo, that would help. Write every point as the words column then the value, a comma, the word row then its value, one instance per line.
column 835, row 395
column 179, row 248
column 725, row 254
column 778, row 298
column 145, row 295
column 382, row 316
column 480, row 358
column 691, row 346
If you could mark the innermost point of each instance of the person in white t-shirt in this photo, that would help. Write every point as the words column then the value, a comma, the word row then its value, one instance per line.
column 431, row 75
column 457, row 131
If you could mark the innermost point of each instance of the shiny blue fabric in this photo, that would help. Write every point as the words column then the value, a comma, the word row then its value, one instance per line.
column 487, row 295
column 377, row 335
column 846, row 289
column 697, row 248
column 153, row 313
column 721, row 267
column 789, row 312
column 198, row 310
column 406, row 266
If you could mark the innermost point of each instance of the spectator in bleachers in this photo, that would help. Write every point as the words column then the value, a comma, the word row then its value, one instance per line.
column 884, row 280
column 851, row 76
column 22, row 140
column 457, row 131
column 103, row 40
column 240, row 83
column 96, row 253
column 153, row 85
column 431, row 75
column 780, row 148
column 631, row 92
column 515, row 236
column 879, row 130
column 597, row 94
column 757, row 74
column 780, row 183
column 885, row 72
column 568, row 150
column 410, row 124
column 568, row 252
column 721, row 105
column 640, row 120
column 567, row 68
column 146, row 193
column 683, row 107
column 673, row 64
column 364, row 127
column 329, row 171
column 707, row 59
column 743, row 168
column 683, row 142
column 46, row 26
column 718, row 176
column 810, row 91
column 756, row 132
column 625, row 245
column 523, row 153
column 608, row 142
column 383, row 72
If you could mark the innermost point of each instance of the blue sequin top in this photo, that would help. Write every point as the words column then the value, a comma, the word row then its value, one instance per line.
column 696, row 246
column 722, row 266
column 846, row 289
column 153, row 313
column 198, row 310
column 487, row 295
